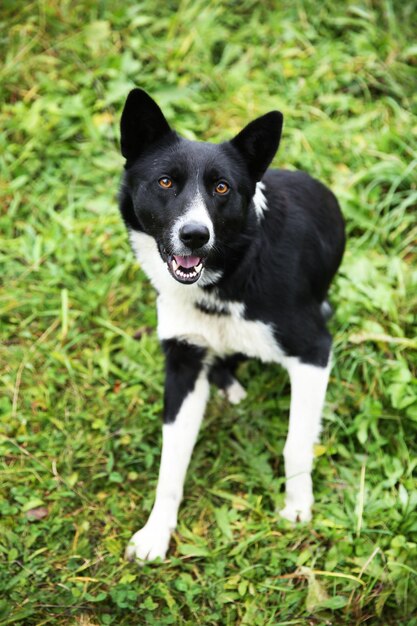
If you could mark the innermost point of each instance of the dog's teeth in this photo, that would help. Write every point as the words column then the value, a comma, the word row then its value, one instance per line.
column 191, row 273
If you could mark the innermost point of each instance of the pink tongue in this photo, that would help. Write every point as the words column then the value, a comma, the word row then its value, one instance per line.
column 187, row 261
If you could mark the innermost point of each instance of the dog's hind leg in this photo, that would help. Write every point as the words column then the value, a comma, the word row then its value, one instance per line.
column 308, row 390
column 222, row 374
column 186, row 395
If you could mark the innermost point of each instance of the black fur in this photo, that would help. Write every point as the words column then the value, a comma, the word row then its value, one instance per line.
column 257, row 144
column 242, row 257
column 142, row 124
column 211, row 309
column 279, row 266
column 222, row 371
column 183, row 363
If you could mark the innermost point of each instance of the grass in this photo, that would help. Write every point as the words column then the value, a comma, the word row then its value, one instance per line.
column 81, row 401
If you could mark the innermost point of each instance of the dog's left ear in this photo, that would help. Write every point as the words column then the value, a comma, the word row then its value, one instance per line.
column 259, row 141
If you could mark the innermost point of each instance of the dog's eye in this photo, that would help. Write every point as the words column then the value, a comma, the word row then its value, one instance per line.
column 221, row 188
column 165, row 182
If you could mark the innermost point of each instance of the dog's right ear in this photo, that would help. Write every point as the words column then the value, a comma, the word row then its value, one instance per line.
column 141, row 125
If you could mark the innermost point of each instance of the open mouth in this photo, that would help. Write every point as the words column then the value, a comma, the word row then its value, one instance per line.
column 185, row 269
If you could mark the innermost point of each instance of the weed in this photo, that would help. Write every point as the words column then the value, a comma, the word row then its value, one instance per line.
column 80, row 425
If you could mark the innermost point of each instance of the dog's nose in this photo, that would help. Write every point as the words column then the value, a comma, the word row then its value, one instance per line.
column 194, row 235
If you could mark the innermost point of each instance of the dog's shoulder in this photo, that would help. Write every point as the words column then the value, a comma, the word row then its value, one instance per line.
column 302, row 230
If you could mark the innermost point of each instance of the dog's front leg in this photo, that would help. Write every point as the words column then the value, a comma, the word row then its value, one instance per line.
column 186, row 394
column 308, row 390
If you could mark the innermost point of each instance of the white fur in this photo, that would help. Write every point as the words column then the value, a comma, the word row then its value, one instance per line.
column 146, row 251
column 178, row 317
column 196, row 212
column 209, row 277
column 178, row 441
column 326, row 309
column 259, row 200
column 235, row 393
column 308, row 390
column 222, row 334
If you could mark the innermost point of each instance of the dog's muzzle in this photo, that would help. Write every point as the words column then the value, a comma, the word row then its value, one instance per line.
column 192, row 243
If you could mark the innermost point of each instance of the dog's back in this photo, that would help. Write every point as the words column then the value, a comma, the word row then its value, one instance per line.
column 313, row 223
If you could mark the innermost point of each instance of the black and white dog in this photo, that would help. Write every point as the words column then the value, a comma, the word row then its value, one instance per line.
column 242, row 259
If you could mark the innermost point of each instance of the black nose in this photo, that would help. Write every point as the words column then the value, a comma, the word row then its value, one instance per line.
column 194, row 235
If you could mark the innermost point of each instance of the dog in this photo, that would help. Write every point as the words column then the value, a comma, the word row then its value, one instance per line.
column 242, row 257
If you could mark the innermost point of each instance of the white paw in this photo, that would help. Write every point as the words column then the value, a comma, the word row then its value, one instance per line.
column 296, row 512
column 235, row 393
column 148, row 544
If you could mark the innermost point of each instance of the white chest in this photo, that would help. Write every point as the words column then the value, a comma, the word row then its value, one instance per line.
column 179, row 317
column 222, row 334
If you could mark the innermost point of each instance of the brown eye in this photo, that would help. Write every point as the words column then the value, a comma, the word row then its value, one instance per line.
column 221, row 188
column 165, row 182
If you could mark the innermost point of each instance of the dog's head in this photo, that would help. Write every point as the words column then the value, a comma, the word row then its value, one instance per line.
column 193, row 198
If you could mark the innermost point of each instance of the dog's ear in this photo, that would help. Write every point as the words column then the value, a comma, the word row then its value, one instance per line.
column 259, row 141
column 141, row 125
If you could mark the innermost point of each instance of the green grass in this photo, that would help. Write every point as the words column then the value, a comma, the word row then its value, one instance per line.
column 81, row 400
